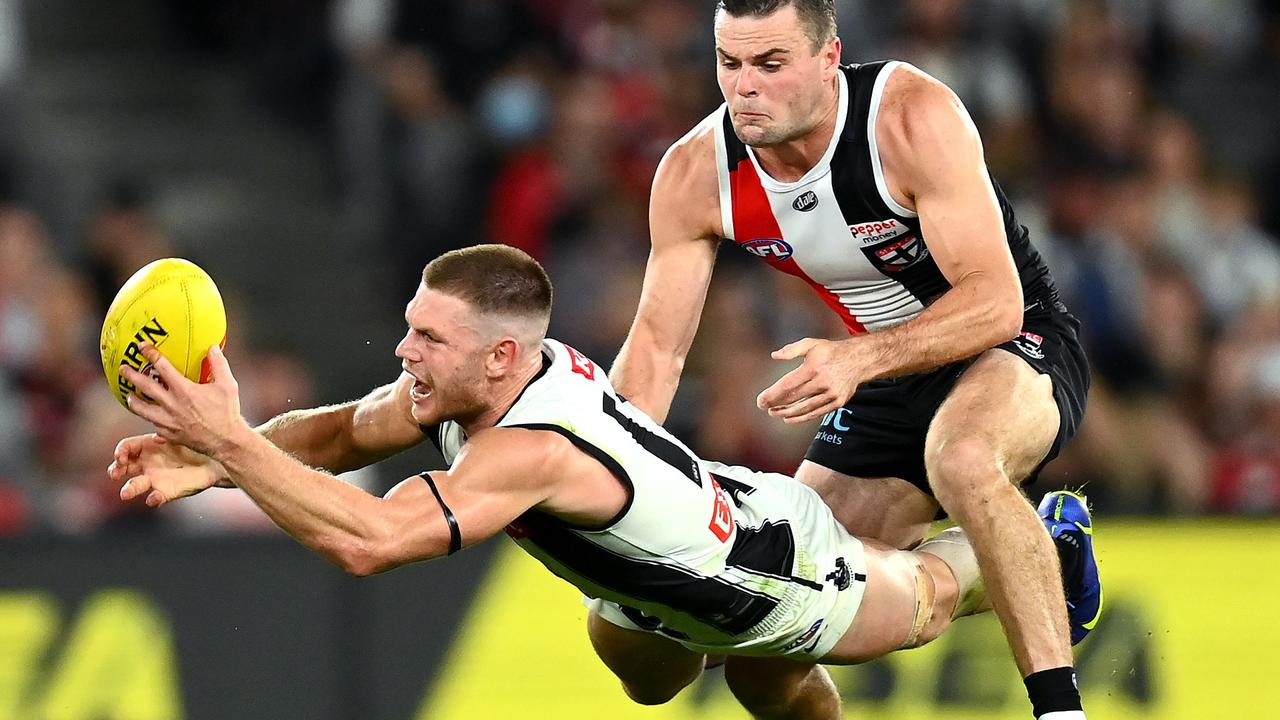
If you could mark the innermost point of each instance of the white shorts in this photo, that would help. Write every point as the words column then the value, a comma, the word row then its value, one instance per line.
column 814, row 614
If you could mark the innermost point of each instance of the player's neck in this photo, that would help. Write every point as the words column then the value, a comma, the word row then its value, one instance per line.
column 505, row 394
column 790, row 160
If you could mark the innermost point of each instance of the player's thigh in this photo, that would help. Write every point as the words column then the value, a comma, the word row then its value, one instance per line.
column 887, row 509
column 653, row 668
column 1001, row 410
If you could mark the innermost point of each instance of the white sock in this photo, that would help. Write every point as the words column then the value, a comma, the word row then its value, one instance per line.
column 1063, row 715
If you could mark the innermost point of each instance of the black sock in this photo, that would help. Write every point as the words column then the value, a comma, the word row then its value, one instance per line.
column 1053, row 690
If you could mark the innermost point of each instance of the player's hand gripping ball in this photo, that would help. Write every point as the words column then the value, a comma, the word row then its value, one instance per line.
column 175, row 306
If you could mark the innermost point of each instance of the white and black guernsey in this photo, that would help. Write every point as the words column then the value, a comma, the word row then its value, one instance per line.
column 839, row 229
column 693, row 554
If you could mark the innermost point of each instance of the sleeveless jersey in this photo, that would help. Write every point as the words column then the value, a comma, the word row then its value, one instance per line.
column 838, row 228
column 711, row 560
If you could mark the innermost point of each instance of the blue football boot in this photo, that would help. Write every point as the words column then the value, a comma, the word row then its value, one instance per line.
column 1066, row 515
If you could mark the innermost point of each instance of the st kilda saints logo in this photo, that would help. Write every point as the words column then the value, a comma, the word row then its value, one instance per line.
column 900, row 254
column 1031, row 344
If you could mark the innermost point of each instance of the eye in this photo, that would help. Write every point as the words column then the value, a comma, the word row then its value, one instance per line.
column 729, row 64
column 772, row 66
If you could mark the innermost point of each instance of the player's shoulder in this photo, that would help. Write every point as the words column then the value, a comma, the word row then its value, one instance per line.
column 920, row 117
column 521, row 460
column 686, row 185
column 522, row 447
column 696, row 149
column 911, row 93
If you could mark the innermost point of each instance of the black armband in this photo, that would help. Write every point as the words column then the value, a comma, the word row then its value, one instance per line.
column 455, row 534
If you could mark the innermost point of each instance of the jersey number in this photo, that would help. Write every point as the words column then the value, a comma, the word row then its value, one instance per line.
column 581, row 364
column 721, row 516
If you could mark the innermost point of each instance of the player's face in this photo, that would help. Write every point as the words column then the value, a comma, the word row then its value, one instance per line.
column 771, row 76
column 444, row 353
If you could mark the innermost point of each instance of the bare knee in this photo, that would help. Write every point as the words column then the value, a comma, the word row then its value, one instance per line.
column 647, row 693
column 964, row 472
column 944, row 592
column 659, row 687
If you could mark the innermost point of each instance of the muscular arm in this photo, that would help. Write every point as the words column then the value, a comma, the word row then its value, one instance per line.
column 352, row 435
column 501, row 474
column 685, row 229
column 933, row 159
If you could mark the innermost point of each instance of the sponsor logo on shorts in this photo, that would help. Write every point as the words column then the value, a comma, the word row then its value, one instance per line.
column 840, row 577
column 810, row 634
column 837, row 420
column 806, row 202
column 876, row 231
column 1030, row 344
column 771, row 249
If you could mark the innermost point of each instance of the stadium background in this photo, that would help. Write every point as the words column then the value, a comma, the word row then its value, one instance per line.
column 313, row 155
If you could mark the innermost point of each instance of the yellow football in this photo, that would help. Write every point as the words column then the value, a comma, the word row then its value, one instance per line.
column 175, row 306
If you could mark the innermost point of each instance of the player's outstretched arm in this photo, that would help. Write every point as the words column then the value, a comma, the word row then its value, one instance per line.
column 352, row 435
column 684, row 207
column 336, row 438
column 501, row 474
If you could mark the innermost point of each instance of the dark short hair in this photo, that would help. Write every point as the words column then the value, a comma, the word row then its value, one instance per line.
column 493, row 279
column 817, row 16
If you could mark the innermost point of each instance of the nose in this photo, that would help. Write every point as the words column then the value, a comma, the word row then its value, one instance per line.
column 745, row 82
column 405, row 350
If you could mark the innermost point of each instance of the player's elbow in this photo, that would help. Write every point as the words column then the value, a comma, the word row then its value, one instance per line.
column 367, row 551
column 1007, row 320
column 1005, row 312
column 359, row 557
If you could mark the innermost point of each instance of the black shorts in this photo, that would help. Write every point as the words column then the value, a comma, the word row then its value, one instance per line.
column 880, row 432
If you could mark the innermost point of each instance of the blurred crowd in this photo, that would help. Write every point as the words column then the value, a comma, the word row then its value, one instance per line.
column 1135, row 137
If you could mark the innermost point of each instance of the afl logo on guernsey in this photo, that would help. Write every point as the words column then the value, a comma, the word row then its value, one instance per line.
column 771, row 249
column 807, row 201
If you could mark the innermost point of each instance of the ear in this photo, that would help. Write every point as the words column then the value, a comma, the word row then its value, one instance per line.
column 502, row 357
column 831, row 58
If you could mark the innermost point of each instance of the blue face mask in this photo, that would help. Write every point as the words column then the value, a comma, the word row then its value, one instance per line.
column 514, row 109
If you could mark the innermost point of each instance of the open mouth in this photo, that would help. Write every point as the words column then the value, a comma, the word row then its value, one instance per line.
column 420, row 391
